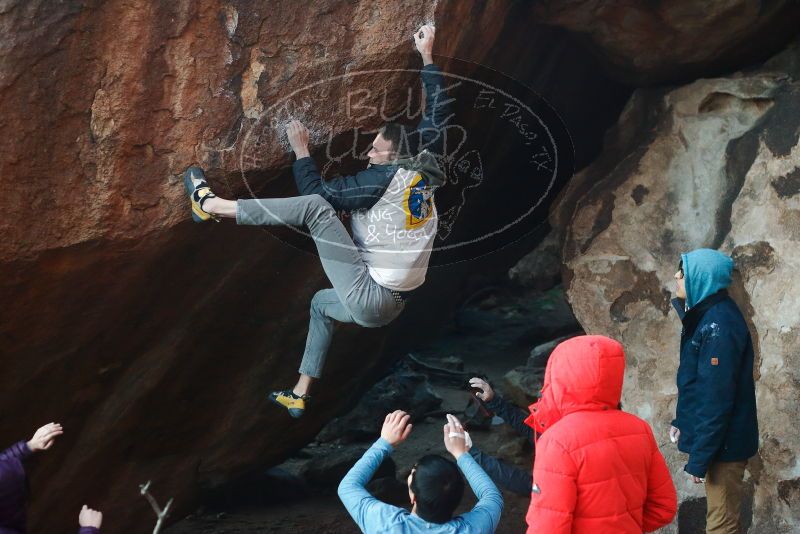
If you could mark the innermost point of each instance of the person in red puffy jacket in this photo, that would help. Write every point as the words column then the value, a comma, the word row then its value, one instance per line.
column 597, row 469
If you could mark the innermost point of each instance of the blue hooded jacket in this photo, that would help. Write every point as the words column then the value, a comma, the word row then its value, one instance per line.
column 716, row 411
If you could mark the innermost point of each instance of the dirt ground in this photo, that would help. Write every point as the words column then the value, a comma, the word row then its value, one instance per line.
column 491, row 354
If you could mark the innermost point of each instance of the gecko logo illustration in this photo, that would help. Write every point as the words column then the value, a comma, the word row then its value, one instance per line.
column 418, row 204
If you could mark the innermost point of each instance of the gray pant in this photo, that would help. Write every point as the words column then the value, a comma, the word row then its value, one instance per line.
column 355, row 297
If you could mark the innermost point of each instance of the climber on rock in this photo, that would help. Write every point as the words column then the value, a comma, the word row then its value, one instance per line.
column 715, row 422
column 435, row 486
column 393, row 220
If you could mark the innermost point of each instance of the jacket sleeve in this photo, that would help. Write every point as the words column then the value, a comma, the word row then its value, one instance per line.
column 346, row 193
column 89, row 530
column 18, row 451
column 485, row 515
column 661, row 504
column 513, row 415
column 370, row 514
column 718, row 364
column 555, row 490
column 503, row 474
column 438, row 111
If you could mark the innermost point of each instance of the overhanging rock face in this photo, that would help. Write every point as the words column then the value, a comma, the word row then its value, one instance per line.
column 658, row 42
column 110, row 101
column 711, row 164
column 153, row 340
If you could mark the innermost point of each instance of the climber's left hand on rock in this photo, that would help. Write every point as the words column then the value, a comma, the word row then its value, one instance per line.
column 298, row 138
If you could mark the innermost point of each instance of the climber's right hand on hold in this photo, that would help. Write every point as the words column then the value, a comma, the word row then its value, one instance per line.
column 486, row 392
column 423, row 39
column 298, row 136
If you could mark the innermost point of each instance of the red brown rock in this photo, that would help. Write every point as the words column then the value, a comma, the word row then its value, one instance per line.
column 656, row 42
column 151, row 339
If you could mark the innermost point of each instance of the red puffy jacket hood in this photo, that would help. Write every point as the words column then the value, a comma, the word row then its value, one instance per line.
column 583, row 373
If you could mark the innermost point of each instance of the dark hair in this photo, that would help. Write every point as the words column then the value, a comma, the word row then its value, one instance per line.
column 395, row 133
column 438, row 488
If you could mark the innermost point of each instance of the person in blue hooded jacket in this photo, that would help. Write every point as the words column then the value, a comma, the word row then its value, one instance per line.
column 716, row 414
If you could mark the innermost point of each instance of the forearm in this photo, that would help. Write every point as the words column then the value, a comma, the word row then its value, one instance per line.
column 483, row 487
column 710, row 438
column 662, row 502
column 512, row 415
column 352, row 489
column 345, row 193
column 19, row 450
column 716, row 388
column 438, row 105
column 438, row 113
column 306, row 176
column 503, row 474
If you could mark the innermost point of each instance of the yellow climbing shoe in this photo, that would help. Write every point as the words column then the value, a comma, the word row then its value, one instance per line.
column 294, row 404
column 198, row 191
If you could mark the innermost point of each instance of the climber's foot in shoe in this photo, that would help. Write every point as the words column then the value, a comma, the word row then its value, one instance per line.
column 198, row 191
column 294, row 404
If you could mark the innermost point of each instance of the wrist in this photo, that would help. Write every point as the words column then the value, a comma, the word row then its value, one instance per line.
column 29, row 444
column 384, row 444
column 427, row 59
column 301, row 152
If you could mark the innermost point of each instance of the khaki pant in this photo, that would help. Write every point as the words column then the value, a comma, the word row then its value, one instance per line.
column 724, row 488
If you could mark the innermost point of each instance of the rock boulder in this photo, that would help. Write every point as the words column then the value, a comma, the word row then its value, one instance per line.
column 652, row 42
column 711, row 164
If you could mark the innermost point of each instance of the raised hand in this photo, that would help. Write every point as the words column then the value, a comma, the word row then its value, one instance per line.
column 44, row 437
column 90, row 518
column 298, row 137
column 423, row 39
column 456, row 439
column 396, row 427
column 486, row 392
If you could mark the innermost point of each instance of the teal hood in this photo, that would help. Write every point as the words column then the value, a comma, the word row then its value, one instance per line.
column 705, row 272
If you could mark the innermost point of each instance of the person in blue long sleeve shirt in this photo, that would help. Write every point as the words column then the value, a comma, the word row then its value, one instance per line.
column 435, row 487
column 14, row 484
column 716, row 422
